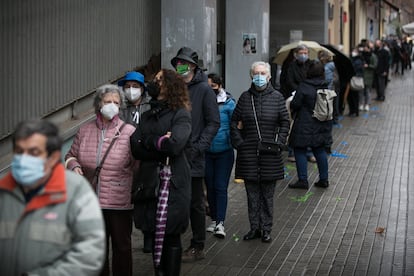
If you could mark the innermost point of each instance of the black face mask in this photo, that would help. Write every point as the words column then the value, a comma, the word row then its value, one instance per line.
column 153, row 89
column 216, row 91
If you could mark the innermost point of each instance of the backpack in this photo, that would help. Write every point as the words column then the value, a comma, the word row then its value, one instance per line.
column 324, row 105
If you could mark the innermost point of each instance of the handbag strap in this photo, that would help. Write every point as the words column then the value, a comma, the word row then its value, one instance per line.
column 257, row 123
column 255, row 119
column 99, row 167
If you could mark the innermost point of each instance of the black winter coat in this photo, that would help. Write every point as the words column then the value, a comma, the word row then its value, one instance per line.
column 154, row 124
column 296, row 73
column 205, row 121
column 306, row 130
column 383, row 62
column 271, row 115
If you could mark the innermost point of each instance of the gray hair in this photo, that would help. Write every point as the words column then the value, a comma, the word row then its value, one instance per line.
column 102, row 91
column 258, row 63
column 301, row 47
column 25, row 129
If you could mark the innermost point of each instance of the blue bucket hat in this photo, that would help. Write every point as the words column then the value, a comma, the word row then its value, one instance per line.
column 132, row 76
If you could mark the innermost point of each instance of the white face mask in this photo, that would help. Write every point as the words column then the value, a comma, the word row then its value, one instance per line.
column 133, row 93
column 109, row 110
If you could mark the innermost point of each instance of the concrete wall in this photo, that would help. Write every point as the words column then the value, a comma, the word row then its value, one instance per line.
column 191, row 24
column 245, row 18
column 310, row 17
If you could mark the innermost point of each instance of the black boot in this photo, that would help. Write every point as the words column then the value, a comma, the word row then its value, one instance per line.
column 322, row 183
column 301, row 184
column 171, row 262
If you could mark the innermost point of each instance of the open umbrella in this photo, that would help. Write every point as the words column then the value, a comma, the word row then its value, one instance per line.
column 408, row 28
column 313, row 46
column 342, row 63
column 162, row 209
column 345, row 72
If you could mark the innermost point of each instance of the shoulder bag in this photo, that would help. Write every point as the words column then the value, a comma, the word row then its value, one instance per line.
column 99, row 167
column 357, row 83
column 265, row 147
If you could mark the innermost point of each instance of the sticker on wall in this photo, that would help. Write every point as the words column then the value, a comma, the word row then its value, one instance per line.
column 249, row 43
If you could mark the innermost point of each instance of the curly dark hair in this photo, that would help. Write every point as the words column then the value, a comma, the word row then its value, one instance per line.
column 176, row 92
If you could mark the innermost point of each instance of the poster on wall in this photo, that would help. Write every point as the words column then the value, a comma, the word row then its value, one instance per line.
column 295, row 35
column 249, row 43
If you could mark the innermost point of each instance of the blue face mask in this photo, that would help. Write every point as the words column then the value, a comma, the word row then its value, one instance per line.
column 27, row 169
column 259, row 80
column 302, row 58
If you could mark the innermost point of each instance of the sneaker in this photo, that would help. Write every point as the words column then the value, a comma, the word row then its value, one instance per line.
column 219, row 230
column 366, row 108
column 361, row 107
column 211, row 227
column 192, row 254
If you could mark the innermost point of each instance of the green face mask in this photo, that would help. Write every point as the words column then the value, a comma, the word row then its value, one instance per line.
column 183, row 69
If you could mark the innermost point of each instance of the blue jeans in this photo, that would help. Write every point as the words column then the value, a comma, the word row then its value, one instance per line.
column 302, row 162
column 218, row 170
column 309, row 153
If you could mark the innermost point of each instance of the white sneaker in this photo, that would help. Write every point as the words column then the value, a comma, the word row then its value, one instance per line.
column 219, row 231
column 366, row 107
column 211, row 227
column 361, row 107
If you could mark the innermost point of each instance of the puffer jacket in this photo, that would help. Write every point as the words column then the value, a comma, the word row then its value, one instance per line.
column 59, row 232
column 272, row 115
column 222, row 141
column 115, row 179
column 306, row 130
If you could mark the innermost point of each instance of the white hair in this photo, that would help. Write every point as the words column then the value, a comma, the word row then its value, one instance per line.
column 260, row 63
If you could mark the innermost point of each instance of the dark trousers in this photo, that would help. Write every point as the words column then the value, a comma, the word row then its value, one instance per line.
column 118, row 226
column 218, row 170
column 353, row 102
column 302, row 162
column 260, row 204
column 381, row 87
column 197, row 213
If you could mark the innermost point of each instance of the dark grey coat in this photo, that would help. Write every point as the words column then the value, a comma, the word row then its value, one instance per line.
column 205, row 121
column 306, row 130
column 271, row 114
column 143, row 145
column 127, row 114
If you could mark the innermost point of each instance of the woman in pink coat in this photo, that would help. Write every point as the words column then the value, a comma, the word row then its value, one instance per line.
column 113, row 184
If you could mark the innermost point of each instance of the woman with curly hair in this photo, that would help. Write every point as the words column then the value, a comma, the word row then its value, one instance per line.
column 164, row 133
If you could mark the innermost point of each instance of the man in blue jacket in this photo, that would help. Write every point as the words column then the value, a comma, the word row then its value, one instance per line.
column 205, row 124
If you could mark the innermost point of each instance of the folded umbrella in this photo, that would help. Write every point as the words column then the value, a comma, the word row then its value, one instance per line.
column 162, row 210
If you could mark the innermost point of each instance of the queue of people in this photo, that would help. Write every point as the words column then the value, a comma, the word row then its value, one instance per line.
column 144, row 160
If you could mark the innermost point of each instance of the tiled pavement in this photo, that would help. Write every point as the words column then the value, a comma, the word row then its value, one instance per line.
column 330, row 231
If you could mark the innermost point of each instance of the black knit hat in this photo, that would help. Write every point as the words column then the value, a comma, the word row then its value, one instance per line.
column 186, row 54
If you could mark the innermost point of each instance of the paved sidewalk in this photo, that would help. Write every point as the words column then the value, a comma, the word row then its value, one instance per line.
column 334, row 231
